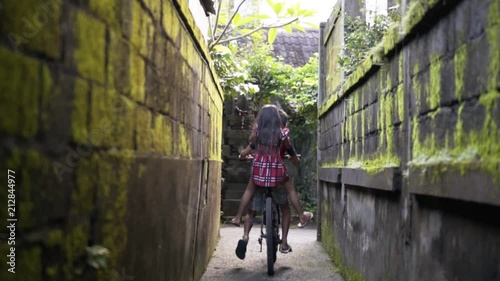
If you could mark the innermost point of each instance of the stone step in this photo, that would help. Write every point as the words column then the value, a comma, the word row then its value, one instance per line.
column 235, row 133
column 230, row 207
column 233, row 194
column 237, row 186
column 236, row 175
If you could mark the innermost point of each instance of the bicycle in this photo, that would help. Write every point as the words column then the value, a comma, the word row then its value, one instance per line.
column 272, row 219
column 270, row 213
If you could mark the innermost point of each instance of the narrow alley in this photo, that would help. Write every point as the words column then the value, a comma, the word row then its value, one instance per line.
column 308, row 261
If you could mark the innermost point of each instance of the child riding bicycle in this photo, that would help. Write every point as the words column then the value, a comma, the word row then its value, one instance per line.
column 268, row 169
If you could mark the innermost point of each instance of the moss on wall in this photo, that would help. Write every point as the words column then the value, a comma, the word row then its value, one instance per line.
column 332, row 248
column 433, row 93
column 460, row 60
column 34, row 25
column 89, row 55
column 20, row 78
column 94, row 96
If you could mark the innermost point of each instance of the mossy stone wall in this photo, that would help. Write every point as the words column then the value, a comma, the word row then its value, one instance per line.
column 413, row 135
column 111, row 118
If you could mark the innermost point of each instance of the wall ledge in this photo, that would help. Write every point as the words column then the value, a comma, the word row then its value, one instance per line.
column 388, row 178
column 447, row 182
column 190, row 25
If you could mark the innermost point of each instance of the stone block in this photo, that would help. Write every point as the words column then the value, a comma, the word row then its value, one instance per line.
column 21, row 86
column 137, row 77
column 34, row 25
column 89, row 55
column 108, row 11
column 438, row 37
column 102, row 116
column 472, row 116
column 478, row 18
column 118, row 70
column 143, row 30
column 448, row 83
column 476, row 72
column 81, row 108
column 444, row 124
column 143, row 137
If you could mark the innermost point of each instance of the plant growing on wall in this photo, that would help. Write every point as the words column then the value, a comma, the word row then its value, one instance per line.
column 232, row 71
column 360, row 37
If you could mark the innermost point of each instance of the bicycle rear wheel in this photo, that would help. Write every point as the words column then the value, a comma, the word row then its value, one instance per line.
column 270, row 237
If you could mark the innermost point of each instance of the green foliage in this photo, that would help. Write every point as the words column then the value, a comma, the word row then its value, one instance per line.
column 359, row 39
column 232, row 24
column 97, row 256
column 295, row 90
column 232, row 72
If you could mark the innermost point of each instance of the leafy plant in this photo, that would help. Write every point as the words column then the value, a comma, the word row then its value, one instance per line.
column 359, row 39
column 232, row 71
column 231, row 24
column 295, row 90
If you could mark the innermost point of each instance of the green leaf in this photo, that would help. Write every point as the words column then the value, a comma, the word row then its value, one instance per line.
column 222, row 49
column 236, row 20
column 270, row 3
column 272, row 35
column 288, row 29
column 247, row 20
column 298, row 26
column 257, row 35
column 244, row 31
column 263, row 16
column 277, row 8
column 307, row 13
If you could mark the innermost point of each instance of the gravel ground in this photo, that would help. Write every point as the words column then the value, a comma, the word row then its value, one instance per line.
column 308, row 261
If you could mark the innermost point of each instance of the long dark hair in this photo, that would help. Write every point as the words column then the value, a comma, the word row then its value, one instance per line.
column 269, row 126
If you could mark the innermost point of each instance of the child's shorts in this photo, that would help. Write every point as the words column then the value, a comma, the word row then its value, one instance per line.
column 279, row 196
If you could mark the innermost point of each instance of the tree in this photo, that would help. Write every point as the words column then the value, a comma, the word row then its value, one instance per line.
column 230, row 25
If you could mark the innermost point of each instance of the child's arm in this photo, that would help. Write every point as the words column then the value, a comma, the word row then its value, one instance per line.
column 291, row 151
column 245, row 151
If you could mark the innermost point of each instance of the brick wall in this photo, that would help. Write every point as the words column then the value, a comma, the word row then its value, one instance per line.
column 111, row 118
column 408, row 145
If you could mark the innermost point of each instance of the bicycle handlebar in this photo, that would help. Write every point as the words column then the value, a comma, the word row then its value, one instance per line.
column 287, row 156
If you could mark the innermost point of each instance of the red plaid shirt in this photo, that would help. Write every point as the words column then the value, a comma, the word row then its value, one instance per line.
column 268, row 169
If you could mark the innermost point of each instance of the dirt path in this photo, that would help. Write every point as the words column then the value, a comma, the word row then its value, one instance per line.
column 308, row 261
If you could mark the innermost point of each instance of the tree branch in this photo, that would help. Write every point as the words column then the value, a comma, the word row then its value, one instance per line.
column 227, row 25
column 253, row 31
column 216, row 19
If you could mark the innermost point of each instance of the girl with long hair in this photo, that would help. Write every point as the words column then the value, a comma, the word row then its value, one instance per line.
column 268, row 168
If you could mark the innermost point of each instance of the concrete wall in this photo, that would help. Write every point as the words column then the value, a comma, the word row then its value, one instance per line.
column 111, row 119
column 408, row 148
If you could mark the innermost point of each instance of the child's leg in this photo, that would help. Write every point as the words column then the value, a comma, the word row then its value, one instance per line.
column 305, row 217
column 292, row 194
column 285, row 226
column 248, row 224
column 245, row 200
